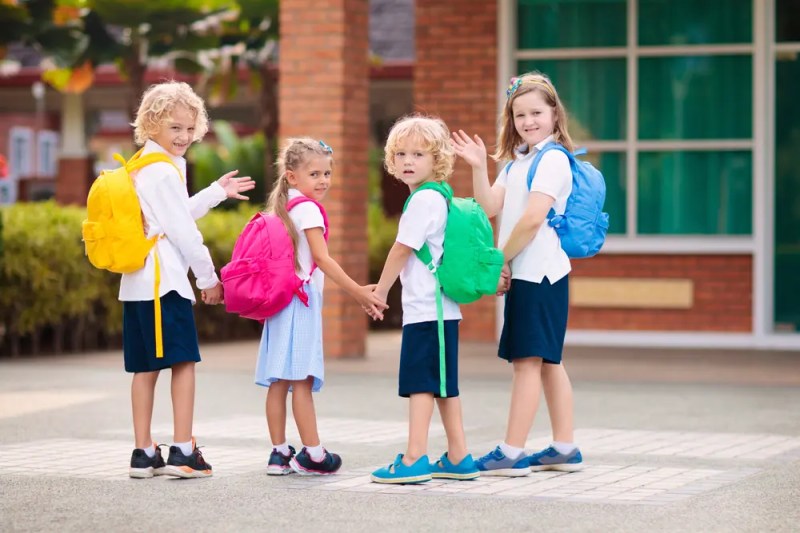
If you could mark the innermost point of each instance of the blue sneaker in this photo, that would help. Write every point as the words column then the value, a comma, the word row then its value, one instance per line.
column 444, row 469
column 278, row 464
column 551, row 459
column 399, row 472
column 495, row 463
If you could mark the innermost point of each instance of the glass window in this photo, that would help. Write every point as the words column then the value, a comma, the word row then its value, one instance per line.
column 701, row 193
column 695, row 97
column 681, row 22
column 787, row 21
column 593, row 91
column 787, row 192
column 612, row 165
column 571, row 23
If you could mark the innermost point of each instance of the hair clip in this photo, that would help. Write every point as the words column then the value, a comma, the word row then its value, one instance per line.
column 512, row 88
column 326, row 147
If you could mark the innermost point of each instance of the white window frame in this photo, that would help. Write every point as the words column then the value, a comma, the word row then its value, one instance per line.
column 47, row 144
column 20, row 164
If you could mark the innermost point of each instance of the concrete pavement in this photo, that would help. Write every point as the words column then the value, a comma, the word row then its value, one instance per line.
column 673, row 441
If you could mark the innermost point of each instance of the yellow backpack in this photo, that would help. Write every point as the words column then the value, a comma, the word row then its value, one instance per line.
column 113, row 232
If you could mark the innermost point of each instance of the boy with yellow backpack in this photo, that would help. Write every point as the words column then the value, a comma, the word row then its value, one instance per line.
column 141, row 223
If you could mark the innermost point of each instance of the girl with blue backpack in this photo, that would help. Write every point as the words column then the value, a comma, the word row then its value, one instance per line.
column 534, row 136
column 290, row 355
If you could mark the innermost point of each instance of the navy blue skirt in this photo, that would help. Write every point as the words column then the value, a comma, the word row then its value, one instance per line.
column 535, row 320
column 179, row 334
column 419, row 359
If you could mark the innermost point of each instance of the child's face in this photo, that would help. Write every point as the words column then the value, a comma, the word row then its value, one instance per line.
column 534, row 120
column 177, row 131
column 413, row 162
column 313, row 178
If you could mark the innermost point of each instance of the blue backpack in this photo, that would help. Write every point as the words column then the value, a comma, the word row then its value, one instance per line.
column 583, row 226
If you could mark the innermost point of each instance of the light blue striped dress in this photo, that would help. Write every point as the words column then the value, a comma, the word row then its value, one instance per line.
column 291, row 343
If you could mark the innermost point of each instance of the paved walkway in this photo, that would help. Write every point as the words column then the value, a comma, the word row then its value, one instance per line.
column 673, row 440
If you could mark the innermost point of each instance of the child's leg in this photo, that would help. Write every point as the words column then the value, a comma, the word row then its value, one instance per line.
column 420, row 411
column 303, row 410
column 183, row 400
column 450, row 410
column 558, row 393
column 276, row 411
column 143, row 388
column 525, row 391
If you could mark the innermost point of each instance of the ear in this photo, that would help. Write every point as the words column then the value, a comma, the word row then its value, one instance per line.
column 291, row 178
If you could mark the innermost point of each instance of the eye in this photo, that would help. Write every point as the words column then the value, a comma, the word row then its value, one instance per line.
column 401, row 154
column 328, row 173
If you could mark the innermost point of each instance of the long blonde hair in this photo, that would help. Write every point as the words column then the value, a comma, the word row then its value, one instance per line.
column 509, row 138
column 293, row 155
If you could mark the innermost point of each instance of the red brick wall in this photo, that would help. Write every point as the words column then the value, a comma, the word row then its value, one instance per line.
column 455, row 78
column 323, row 93
column 723, row 289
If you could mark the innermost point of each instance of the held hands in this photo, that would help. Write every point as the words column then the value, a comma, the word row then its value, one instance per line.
column 505, row 280
column 212, row 296
column 372, row 302
column 234, row 187
column 471, row 150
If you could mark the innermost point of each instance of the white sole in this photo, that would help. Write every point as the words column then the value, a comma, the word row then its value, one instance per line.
column 507, row 472
column 564, row 467
column 141, row 473
column 189, row 473
column 279, row 471
column 401, row 480
column 457, row 477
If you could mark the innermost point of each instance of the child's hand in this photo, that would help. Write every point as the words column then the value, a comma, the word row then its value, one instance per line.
column 234, row 187
column 212, row 296
column 471, row 151
column 504, row 282
column 372, row 301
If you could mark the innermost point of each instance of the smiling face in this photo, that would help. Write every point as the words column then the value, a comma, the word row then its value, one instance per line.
column 413, row 162
column 313, row 177
column 534, row 119
column 177, row 131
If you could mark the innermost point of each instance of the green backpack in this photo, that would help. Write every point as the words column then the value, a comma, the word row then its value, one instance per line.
column 470, row 266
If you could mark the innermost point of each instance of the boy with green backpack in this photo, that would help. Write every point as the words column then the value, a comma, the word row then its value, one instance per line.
column 444, row 255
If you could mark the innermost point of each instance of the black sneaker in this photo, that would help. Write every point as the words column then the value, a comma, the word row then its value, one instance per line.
column 143, row 467
column 187, row 466
column 305, row 466
column 278, row 464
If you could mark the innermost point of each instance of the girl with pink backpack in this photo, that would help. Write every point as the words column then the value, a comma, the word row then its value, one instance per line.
column 290, row 354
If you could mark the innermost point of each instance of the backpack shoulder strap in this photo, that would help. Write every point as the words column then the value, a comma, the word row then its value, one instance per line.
column 442, row 188
column 138, row 161
column 538, row 157
column 303, row 199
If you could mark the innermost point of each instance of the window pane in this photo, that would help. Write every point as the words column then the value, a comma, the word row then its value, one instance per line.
column 678, row 22
column 701, row 193
column 695, row 97
column 612, row 165
column 593, row 91
column 570, row 23
column 787, row 193
column 787, row 21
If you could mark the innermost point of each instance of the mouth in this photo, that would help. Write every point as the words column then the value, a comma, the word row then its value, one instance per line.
column 181, row 146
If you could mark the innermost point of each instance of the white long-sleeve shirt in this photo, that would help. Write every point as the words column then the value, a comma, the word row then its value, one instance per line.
column 168, row 210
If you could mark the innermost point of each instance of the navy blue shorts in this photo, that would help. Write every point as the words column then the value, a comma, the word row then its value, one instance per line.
column 419, row 359
column 535, row 320
column 179, row 334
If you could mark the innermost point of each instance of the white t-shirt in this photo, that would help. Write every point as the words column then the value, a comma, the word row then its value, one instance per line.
column 543, row 256
column 305, row 216
column 423, row 221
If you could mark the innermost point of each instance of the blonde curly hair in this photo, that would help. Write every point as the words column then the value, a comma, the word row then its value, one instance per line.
column 157, row 104
column 434, row 135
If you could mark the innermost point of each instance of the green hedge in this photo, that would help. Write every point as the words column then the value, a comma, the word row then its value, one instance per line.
column 52, row 298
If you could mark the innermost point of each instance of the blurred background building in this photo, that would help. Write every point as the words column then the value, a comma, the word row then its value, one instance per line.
column 688, row 107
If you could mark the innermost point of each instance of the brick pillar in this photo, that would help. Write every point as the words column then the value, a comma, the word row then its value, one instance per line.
column 455, row 78
column 323, row 93
column 74, row 164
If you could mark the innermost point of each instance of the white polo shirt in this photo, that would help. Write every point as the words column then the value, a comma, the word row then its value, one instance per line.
column 306, row 216
column 167, row 210
column 543, row 256
column 423, row 221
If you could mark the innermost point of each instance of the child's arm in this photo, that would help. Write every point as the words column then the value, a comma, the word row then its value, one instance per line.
column 395, row 261
column 319, row 252
column 225, row 187
column 490, row 197
column 527, row 227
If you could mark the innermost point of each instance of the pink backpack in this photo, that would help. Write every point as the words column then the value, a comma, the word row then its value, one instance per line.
column 260, row 280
